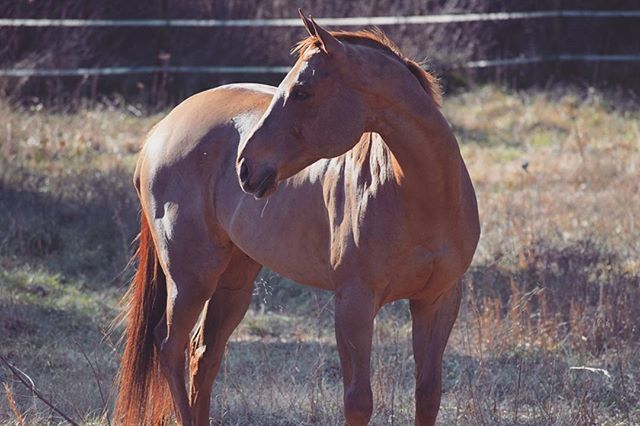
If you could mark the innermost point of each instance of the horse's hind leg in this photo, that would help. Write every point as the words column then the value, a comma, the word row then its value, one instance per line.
column 224, row 311
column 432, row 323
column 192, row 261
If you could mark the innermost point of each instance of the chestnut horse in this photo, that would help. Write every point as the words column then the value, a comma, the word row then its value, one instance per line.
column 345, row 177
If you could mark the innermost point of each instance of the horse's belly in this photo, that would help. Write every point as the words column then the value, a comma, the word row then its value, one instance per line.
column 294, row 261
column 286, row 234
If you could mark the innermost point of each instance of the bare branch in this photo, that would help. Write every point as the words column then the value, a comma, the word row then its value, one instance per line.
column 29, row 383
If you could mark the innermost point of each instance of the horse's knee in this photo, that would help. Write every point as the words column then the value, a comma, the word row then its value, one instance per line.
column 170, row 353
column 428, row 400
column 358, row 405
column 167, row 352
column 159, row 337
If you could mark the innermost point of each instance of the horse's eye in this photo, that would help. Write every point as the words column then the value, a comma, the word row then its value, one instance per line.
column 299, row 94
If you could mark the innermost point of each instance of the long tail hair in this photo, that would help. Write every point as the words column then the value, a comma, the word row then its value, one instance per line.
column 143, row 394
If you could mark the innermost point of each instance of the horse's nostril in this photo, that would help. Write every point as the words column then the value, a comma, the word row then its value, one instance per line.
column 244, row 171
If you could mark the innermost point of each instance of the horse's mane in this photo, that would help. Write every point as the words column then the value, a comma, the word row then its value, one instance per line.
column 377, row 39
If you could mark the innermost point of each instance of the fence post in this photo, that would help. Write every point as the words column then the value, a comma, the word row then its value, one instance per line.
column 159, row 92
column 556, row 31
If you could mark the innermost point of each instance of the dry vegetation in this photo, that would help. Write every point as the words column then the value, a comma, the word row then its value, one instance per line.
column 548, row 332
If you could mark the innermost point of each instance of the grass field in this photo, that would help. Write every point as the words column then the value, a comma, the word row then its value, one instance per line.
column 549, row 328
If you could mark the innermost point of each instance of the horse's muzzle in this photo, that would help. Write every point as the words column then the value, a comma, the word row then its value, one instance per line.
column 259, row 185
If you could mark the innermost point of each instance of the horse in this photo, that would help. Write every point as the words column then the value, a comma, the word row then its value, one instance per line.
column 346, row 177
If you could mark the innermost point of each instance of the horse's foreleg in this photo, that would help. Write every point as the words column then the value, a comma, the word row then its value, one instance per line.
column 224, row 311
column 432, row 323
column 354, row 313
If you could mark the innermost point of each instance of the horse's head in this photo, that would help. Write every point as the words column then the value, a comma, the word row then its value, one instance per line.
column 315, row 113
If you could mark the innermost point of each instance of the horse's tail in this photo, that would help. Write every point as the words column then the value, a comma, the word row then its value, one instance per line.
column 143, row 396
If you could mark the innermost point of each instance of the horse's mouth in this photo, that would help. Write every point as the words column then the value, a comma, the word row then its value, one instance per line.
column 266, row 187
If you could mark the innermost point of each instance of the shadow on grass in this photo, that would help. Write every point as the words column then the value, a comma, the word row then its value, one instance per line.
column 76, row 225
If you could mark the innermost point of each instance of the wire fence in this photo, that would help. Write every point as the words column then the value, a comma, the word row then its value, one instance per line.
column 287, row 22
column 86, row 72
column 295, row 22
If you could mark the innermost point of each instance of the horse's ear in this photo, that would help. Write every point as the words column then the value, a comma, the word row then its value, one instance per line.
column 328, row 43
column 308, row 25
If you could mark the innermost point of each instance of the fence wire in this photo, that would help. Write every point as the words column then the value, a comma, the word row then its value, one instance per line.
column 291, row 22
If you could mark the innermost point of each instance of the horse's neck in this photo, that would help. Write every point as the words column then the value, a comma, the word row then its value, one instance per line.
column 427, row 162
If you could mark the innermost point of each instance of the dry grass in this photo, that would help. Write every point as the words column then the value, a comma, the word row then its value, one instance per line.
column 548, row 331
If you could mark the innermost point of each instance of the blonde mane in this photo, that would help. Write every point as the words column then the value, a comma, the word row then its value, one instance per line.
column 377, row 39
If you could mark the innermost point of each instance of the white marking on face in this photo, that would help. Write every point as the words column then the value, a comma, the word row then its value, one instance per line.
column 310, row 52
column 301, row 71
column 297, row 80
column 305, row 66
